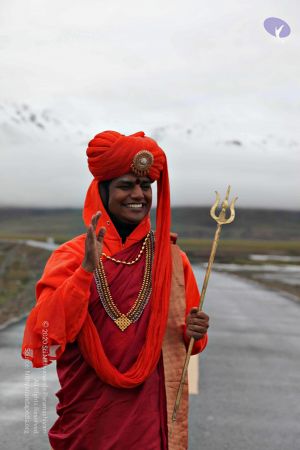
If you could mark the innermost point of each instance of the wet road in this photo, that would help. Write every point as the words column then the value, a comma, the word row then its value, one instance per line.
column 248, row 382
column 249, row 378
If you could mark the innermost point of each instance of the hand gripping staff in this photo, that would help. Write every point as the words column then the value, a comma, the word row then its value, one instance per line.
column 221, row 220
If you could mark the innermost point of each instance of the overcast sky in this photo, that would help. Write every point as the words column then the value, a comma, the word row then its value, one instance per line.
column 219, row 93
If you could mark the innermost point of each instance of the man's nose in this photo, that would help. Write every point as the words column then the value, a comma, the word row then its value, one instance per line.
column 137, row 192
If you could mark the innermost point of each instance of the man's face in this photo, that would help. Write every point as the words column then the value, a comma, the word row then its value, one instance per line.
column 130, row 198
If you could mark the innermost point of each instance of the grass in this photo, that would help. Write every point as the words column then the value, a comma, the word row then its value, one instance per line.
column 20, row 267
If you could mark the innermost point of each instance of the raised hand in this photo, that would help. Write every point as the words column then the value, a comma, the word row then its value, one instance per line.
column 93, row 244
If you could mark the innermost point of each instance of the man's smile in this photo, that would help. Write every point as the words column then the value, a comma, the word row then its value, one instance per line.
column 134, row 205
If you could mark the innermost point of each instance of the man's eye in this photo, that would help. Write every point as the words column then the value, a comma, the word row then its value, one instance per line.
column 145, row 186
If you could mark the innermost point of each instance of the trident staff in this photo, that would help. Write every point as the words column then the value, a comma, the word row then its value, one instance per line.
column 221, row 220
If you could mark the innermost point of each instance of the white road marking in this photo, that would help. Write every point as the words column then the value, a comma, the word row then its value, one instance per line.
column 193, row 373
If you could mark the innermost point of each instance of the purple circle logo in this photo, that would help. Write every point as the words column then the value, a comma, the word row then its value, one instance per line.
column 277, row 27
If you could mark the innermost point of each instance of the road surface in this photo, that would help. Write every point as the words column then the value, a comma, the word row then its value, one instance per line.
column 249, row 378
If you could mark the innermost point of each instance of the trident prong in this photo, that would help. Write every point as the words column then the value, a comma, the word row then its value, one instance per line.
column 221, row 219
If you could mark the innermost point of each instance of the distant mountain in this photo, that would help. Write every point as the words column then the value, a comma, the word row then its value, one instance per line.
column 24, row 118
column 43, row 150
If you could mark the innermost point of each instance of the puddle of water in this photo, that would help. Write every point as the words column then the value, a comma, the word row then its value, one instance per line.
column 292, row 279
column 256, row 268
column 284, row 273
column 50, row 245
column 280, row 258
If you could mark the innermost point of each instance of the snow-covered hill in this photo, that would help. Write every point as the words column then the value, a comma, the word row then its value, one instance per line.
column 43, row 160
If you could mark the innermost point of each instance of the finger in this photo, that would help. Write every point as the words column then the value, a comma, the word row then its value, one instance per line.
column 196, row 318
column 195, row 336
column 95, row 219
column 196, row 321
column 193, row 332
column 194, row 310
column 101, row 234
column 201, row 315
column 89, row 232
column 205, row 326
column 197, row 329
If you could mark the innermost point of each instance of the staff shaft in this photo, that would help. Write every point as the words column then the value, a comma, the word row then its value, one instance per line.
column 192, row 340
column 209, row 264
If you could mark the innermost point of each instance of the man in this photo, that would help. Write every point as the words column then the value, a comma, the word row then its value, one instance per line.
column 119, row 304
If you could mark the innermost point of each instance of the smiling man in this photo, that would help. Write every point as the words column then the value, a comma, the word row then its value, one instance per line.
column 129, row 199
column 119, row 307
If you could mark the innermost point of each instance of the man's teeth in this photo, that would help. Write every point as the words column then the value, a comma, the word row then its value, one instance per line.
column 135, row 205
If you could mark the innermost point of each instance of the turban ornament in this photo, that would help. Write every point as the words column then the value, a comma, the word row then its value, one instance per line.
column 141, row 163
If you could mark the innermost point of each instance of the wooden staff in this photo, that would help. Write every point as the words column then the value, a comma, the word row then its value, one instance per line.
column 221, row 220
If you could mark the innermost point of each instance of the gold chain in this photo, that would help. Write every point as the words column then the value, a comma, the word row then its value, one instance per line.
column 124, row 320
column 129, row 263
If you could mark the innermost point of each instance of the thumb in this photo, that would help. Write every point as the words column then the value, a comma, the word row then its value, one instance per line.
column 194, row 310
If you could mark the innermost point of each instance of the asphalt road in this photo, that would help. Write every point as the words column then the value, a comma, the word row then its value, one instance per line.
column 249, row 377
column 249, row 393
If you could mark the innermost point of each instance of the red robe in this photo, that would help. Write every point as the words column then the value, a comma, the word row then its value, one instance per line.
column 92, row 414
column 95, row 415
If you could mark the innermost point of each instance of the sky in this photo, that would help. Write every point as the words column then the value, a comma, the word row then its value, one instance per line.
column 219, row 94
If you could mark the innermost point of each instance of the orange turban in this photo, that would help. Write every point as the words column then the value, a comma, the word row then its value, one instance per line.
column 110, row 154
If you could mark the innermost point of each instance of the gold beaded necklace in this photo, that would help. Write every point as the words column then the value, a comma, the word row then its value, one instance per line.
column 120, row 261
column 124, row 320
